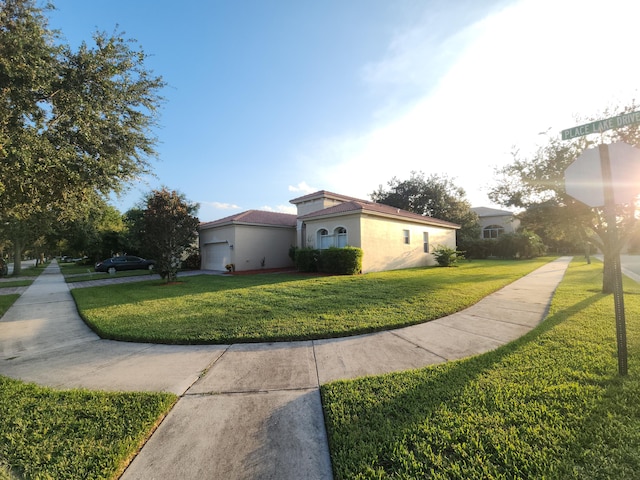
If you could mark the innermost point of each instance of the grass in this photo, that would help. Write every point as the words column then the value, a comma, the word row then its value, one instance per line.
column 550, row 405
column 82, row 273
column 6, row 301
column 31, row 270
column 15, row 283
column 47, row 433
column 277, row 307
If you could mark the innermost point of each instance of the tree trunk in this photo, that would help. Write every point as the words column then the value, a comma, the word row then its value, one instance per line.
column 608, row 274
column 17, row 255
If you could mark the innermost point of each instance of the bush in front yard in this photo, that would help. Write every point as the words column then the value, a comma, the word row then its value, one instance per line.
column 447, row 257
column 519, row 245
column 338, row 261
column 341, row 261
column 306, row 259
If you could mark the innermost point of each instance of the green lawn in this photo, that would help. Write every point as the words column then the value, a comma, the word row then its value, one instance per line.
column 276, row 307
column 15, row 283
column 6, row 301
column 51, row 434
column 550, row 405
column 82, row 273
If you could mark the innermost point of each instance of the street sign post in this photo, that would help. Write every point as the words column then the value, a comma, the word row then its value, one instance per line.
column 591, row 180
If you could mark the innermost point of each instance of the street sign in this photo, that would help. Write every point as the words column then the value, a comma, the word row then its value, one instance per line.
column 599, row 126
column 584, row 181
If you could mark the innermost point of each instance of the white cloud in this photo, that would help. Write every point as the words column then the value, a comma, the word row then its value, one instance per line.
column 533, row 65
column 220, row 205
column 280, row 209
column 302, row 187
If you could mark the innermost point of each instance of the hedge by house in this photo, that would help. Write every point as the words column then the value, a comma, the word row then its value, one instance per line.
column 338, row 261
column 524, row 244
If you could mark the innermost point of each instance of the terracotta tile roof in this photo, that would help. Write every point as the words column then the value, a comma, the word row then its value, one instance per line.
column 255, row 217
column 321, row 194
column 377, row 209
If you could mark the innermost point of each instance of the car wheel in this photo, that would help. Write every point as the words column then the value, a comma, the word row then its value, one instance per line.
column 111, row 270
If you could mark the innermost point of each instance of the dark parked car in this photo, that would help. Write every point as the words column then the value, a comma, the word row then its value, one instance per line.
column 125, row 262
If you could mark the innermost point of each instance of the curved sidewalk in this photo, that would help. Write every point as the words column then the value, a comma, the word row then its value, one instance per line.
column 247, row 410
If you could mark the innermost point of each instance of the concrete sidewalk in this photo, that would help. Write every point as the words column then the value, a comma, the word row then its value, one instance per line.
column 248, row 410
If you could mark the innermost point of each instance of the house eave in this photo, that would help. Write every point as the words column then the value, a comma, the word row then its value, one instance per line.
column 373, row 213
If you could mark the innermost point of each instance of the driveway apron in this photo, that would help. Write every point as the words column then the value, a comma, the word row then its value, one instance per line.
column 247, row 411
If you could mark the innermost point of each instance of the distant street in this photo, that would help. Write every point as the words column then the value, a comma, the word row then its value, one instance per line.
column 24, row 263
column 631, row 266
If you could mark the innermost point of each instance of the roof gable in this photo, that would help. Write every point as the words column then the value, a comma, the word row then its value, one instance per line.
column 380, row 209
column 322, row 194
column 254, row 217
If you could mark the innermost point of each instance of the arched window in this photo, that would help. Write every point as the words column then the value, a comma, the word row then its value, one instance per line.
column 324, row 239
column 341, row 237
column 492, row 231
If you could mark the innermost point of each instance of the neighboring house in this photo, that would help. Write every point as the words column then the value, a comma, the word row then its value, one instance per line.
column 494, row 222
column 389, row 237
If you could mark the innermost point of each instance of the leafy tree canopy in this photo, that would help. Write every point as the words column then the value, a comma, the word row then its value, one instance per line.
column 434, row 196
column 536, row 183
column 73, row 123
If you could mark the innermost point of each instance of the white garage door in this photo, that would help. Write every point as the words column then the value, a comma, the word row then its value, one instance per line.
column 216, row 256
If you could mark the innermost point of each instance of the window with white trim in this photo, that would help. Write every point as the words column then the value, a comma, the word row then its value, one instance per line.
column 341, row 237
column 324, row 239
column 406, row 236
column 425, row 241
column 492, row 231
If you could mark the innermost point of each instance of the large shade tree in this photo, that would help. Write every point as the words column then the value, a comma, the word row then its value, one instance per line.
column 74, row 123
column 434, row 196
column 536, row 184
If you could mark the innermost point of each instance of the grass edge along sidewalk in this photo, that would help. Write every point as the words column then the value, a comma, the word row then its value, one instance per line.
column 549, row 405
column 47, row 433
column 289, row 307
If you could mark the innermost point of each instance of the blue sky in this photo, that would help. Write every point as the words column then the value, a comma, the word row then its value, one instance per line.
column 268, row 101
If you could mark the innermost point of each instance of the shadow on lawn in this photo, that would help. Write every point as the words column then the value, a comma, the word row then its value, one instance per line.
column 387, row 423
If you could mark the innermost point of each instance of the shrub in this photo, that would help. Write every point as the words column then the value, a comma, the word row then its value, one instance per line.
column 479, row 248
column 447, row 257
column 192, row 262
column 524, row 244
column 341, row 261
column 306, row 259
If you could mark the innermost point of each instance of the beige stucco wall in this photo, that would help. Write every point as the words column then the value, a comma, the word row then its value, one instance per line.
column 350, row 222
column 508, row 222
column 316, row 204
column 249, row 244
column 382, row 240
column 253, row 243
column 384, row 247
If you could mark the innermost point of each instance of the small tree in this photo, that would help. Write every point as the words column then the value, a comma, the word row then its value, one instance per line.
column 170, row 229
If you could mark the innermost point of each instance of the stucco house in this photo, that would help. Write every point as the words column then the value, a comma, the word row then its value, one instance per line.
column 495, row 222
column 389, row 237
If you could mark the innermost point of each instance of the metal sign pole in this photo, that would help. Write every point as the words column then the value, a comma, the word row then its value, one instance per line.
column 618, row 296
